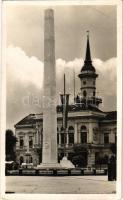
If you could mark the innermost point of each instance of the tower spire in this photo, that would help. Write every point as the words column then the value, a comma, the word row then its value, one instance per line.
column 88, row 62
column 88, row 53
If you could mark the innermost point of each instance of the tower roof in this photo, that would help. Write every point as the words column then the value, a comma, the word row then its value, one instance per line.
column 88, row 62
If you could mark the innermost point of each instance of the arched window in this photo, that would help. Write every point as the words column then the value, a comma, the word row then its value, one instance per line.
column 83, row 134
column 62, row 138
column 71, row 135
column 84, row 93
column 21, row 160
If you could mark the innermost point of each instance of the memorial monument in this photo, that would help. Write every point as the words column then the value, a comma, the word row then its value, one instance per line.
column 49, row 153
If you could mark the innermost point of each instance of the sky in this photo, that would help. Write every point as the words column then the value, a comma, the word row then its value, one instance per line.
column 24, row 54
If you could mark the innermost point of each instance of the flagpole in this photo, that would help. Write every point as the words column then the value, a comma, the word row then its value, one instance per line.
column 64, row 86
column 74, row 84
column 64, row 105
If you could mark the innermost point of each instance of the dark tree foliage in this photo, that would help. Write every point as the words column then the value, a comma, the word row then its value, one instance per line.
column 79, row 149
column 78, row 160
column 79, row 155
column 10, row 145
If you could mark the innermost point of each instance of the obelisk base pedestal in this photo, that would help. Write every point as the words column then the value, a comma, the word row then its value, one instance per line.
column 49, row 166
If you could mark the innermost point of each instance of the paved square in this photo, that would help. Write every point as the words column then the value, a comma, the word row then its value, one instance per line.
column 60, row 185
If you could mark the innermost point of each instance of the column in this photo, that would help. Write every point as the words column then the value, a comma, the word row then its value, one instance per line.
column 26, row 142
column 75, row 134
column 111, row 136
column 90, row 134
column 59, row 139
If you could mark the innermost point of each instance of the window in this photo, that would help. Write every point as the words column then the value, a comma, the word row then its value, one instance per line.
column 71, row 138
column 21, row 142
column 62, row 138
column 84, row 82
column 71, row 135
column 106, row 138
column 21, row 160
column 57, row 138
column 30, row 159
column 94, row 93
column 84, row 93
column 30, row 141
column 83, row 134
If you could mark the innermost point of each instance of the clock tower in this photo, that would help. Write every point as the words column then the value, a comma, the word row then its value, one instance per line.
column 88, row 77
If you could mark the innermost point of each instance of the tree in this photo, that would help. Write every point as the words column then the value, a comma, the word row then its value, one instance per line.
column 80, row 155
column 78, row 160
column 10, row 145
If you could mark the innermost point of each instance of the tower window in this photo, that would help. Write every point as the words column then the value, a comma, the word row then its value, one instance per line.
column 84, row 82
column 84, row 93
column 93, row 82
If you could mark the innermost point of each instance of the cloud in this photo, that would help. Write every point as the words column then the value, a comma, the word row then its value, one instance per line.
column 23, row 68
column 25, row 82
column 107, row 76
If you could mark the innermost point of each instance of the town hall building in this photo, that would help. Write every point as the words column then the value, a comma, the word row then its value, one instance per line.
column 88, row 128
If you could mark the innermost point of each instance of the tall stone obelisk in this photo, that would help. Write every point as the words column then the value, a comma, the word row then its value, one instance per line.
column 49, row 153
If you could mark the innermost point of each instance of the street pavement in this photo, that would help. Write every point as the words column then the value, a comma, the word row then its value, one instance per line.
column 60, row 185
